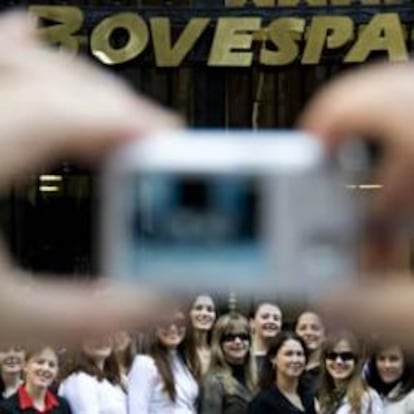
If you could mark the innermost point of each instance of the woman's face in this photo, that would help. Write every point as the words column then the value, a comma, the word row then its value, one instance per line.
column 290, row 359
column 235, row 345
column 41, row 369
column 121, row 340
column 390, row 364
column 12, row 360
column 341, row 361
column 172, row 332
column 203, row 313
column 267, row 321
column 98, row 349
column 311, row 330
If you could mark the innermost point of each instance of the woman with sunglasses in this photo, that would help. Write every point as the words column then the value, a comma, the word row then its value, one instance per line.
column 230, row 381
column 280, row 381
column 310, row 328
column 343, row 390
column 390, row 372
column 166, row 380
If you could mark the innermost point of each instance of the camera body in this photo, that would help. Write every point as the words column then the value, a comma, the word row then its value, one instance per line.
column 242, row 211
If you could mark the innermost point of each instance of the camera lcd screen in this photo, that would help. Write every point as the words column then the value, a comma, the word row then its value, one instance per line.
column 230, row 213
column 192, row 227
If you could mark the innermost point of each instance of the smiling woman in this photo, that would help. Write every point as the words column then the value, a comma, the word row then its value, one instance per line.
column 343, row 390
column 390, row 371
column 310, row 328
column 202, row 318
column 266, row 321
column 11, row 369
column 230, row 381
column 165, row 381
column 35, row 396
column 281, row 390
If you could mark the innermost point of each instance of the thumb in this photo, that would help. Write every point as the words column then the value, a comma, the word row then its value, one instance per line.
column 18, row 29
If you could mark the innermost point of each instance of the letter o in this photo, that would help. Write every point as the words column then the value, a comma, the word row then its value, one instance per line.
column 138, row 38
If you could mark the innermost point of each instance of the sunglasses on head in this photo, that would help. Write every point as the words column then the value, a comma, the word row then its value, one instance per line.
column 230, row 337
column 343, row 356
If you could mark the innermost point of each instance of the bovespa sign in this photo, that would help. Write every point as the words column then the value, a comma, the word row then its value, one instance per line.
column 233, row 41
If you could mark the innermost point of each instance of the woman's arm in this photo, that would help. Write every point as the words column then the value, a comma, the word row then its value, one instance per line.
column 212, row 396
column 141, row 384
column 81, row 393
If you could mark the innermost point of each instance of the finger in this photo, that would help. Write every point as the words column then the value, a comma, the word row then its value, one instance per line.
column 53, row 109
column 358, row 104
column 18, row 29
column 396, row 197
column 88, row 109
column 374, row 103
column 141, row 118
column 383, row 309
column 63, row 312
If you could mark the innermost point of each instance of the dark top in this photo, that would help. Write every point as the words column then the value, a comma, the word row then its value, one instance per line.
column 13, row 405
column 260, row 362
column 216, row 400
column 310, row 380
column 239, row 373
column 272, row 401
column 2, row 388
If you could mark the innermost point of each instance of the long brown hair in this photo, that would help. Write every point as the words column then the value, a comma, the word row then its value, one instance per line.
column 126, row 357
column 76, row 361
column 355, row 386
column 186, row 350
column 218, row 365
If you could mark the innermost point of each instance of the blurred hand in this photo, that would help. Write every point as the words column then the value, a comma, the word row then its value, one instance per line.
column 51, row 107
column 379, row 311
column 377, row 102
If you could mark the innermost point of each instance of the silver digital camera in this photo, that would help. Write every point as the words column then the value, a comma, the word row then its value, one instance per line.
column 249, row 212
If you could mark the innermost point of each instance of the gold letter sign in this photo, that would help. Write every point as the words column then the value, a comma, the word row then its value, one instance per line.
column 332, row 32
column 167, row 55
column 237, row 41
column 233, row 35
column 284, row 33
column 68, row 21
column 138, row 38
column 383, row 32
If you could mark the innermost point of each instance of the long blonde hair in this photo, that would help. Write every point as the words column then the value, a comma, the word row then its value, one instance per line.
column 226, row 324
column 354, row 388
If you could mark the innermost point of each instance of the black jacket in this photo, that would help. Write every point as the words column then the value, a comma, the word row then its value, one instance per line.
column 215, row 399
column 11, row 406
column 272, row 401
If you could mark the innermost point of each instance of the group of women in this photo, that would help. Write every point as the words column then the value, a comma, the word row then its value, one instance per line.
column 196, row 362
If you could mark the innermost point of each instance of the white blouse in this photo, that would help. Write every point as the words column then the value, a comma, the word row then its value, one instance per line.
column 371, row 404
column 404, row 405
column 146, row 394
column 87, row 395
